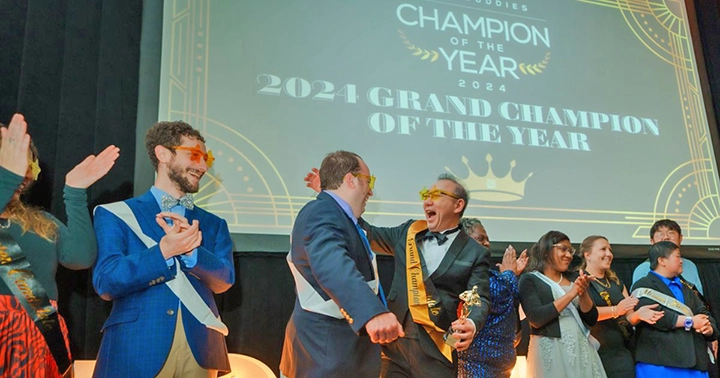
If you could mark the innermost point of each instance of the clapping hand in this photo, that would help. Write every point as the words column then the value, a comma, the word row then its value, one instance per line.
column 181, row 237
column 313, row 180
column 14, row 146
column 92, row 168
column 626, row 305
column 582, row 282
column 510, row 261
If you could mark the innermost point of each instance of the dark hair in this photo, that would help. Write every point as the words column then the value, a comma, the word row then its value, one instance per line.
column 540, row 251
column 660, row 249
column 460, row 190
column 168, row 134
column 469, row 223
column 335, row 166
column 667, row 223
column 586, row 246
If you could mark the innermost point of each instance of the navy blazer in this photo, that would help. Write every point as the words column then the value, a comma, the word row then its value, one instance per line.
column 664, row 344
column 138, row 334
column 327, row 250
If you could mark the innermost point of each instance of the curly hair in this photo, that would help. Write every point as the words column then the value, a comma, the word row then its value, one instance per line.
column 168, row 134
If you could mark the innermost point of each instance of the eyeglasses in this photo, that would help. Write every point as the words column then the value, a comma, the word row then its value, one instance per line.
column 196, row 153
column 434, row 194
column 565, row 248
column 371, row 179
column 35, row 169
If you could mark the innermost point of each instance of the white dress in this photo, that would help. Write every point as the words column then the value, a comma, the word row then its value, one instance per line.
column 570, row 356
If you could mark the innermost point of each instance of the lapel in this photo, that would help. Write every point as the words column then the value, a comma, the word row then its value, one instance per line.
column 145, row 209
column 352, row 228
column 452, row 254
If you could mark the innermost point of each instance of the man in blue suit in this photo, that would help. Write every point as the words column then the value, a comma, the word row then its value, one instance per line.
column 339, row 316
column 160, row 259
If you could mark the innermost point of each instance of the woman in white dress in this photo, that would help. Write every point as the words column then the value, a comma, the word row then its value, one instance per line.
column 560, row 311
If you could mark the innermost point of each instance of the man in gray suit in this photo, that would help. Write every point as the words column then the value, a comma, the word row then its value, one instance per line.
column 339, row 316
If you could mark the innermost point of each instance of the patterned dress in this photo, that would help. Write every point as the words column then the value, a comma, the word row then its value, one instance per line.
column 492, row 352
column 23, row 350
column 570, row 356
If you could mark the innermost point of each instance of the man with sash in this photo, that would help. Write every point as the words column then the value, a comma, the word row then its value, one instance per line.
column 160, row 260
column 435, row 261
column 339, row 316
column 676, row 344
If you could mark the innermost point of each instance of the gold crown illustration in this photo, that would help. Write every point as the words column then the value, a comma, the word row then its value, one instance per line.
column 492, row 188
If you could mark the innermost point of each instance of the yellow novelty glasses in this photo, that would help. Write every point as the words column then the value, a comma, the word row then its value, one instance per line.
column 35, row 169
column 434, row 194
column 196, row 153
column 371, row 179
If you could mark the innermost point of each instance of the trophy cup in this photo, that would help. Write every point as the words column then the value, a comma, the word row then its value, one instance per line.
column 469, row 299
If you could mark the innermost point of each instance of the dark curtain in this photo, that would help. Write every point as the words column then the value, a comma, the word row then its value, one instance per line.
column 71, row 66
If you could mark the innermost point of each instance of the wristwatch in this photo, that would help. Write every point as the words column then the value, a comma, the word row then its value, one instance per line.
column 688, row 323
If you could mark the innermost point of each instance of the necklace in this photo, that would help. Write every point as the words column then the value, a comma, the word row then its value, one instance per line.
column 4, row 223
column 560, row 280
column 605, row 285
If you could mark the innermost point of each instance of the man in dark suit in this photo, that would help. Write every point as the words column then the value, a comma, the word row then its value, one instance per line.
column 160, row 260
column 435, row 261
column 339, row 316
column 675, row 344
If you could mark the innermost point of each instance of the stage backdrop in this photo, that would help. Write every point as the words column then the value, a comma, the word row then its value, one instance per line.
column 585, row 116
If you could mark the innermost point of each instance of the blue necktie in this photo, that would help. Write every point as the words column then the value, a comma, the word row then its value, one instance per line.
column 369, row 251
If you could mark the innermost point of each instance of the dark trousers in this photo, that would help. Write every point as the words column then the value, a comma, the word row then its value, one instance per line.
column 406, row 357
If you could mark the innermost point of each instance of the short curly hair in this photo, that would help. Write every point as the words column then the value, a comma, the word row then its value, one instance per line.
column 168, row 134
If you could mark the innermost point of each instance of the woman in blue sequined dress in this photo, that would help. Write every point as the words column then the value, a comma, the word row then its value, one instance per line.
column 492, row 352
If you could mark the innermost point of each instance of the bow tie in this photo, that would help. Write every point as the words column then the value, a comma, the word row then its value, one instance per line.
column 168, row 202
column 441, row 236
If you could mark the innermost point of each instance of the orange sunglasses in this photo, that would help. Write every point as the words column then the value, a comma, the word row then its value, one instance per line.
column 196, row 153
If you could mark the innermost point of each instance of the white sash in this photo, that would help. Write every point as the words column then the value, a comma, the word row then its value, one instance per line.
column 180, row 286
column 558, row 292
column 663, row 299
column 311, row 300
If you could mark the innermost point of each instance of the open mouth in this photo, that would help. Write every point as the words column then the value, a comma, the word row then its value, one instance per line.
column 196, row 174
column 430, row 215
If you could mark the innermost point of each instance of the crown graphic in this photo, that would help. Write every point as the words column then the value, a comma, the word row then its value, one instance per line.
column 492, row 188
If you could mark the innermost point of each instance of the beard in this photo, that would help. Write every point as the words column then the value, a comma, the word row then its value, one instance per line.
column 177, row 175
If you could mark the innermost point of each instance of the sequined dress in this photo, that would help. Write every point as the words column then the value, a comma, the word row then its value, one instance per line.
column 492, row 352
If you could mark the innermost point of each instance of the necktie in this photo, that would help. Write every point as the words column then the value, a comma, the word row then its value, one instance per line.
column 441, row 236
column 168, row 202
column 369, row 251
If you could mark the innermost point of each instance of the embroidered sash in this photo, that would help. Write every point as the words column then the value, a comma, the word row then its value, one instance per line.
column 558, row 292
column 180, row 286
column 663, row 299
column 417, row 296
column 17, row 274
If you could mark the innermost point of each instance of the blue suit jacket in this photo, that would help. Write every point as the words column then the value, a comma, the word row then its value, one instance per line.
column 139, row 331
column 330, row 254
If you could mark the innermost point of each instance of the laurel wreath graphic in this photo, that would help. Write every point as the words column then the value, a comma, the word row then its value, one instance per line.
column 417, row 51
column 537, row 68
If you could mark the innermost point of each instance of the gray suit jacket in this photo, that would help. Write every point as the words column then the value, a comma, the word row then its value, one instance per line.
column 328, row 252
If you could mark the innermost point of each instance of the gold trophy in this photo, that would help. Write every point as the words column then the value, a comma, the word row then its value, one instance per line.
column 469, row 299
